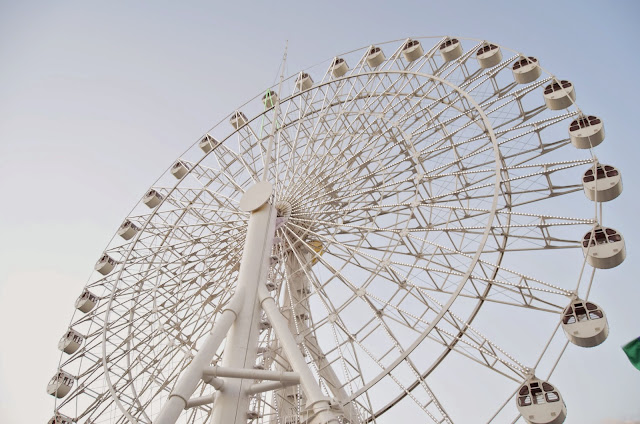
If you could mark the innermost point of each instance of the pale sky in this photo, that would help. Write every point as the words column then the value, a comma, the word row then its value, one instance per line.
column 97, row 99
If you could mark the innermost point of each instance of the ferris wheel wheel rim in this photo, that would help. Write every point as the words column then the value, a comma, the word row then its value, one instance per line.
column 496, row 185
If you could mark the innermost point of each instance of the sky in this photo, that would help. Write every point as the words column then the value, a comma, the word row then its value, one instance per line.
column 97, row 99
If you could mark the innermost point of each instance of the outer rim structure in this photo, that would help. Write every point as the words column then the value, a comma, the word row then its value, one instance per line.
column 165, row 236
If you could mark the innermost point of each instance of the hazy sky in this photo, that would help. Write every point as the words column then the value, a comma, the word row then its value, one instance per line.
column 97, row 99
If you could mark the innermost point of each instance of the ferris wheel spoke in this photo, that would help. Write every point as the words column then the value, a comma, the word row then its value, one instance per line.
column 204, row 197
column 487, row 352
column 448, row 97
column 523, row 288
column 348, row 106
column 210, row 178
column 310, row 342
column 348, row 145
column 423, row 405
column 457, row 70
column 381, row 314
column 488, row 77
column 229, row 165
column 534, row 127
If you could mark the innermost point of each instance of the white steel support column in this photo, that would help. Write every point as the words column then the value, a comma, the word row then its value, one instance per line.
column 191, row 376
column 316, row 400
column 232, row 403
column 298, row 269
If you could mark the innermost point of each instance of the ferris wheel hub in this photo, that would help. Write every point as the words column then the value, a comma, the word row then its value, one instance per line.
column 256, row 196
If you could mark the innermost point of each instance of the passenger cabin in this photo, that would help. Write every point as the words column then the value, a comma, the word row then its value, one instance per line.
column 375, row 57
column 526, row 70
column 304, row 81
column 86, row 302
column 605, row 185
column 127, row 230
column 60, row 419
column 450, row 49
column 60, row 384
column 412, row 50
column 489, row 56
column 152, row 198
column 269, row 99
column 586, row 132
column 540, row 403
column 105, row 264
column 339, row 67
column 71, row 341
column 585, row 324
column 559, row 95
column 238, row 120
column 179, row 169
column 208, row 143
column 604, row 247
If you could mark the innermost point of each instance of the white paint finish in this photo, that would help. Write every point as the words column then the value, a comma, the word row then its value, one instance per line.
column 232, row 404
column 256, row 196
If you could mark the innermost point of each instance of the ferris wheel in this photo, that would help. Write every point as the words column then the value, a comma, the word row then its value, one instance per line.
column 410, row 229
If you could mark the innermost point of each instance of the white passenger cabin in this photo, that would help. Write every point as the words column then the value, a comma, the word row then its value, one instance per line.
column 71, row 341
column 526, row 70
column 586, row 132
column 559, row 95
column 412, row 50
column 208, row 143
column 304, row 81
column 585, row 324
column 269, row 99
column 152, row 198
column 86, row 302
column 489, row 56
column 339, row 67
column 540, row 403
column 238, row 120
column 105, row 264
column 375, row 57
column 60, row 419
column 606, row 185
column 179, row 169
column 450, row 49
column 604, row 248
column 60, row 384
column 127, row 230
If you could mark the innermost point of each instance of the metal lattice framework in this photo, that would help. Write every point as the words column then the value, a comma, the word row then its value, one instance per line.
column 425, row 248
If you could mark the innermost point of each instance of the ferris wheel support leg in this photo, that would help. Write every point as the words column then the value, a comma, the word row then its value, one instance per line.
column 232, row 403
column 243, row 303
column 192, row 375
column 299, row 279
column 316, row 399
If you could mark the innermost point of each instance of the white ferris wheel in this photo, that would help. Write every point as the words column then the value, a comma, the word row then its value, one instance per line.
column 400, row 232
